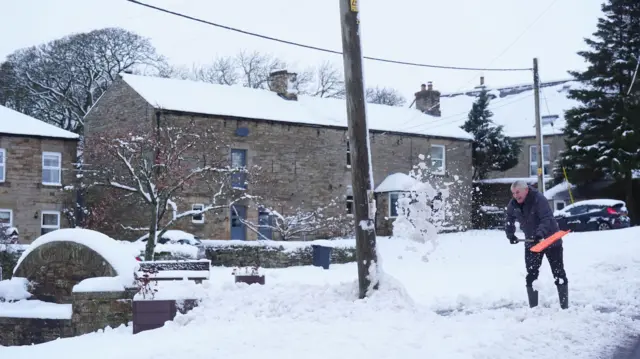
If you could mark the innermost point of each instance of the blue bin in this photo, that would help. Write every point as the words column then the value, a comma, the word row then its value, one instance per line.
column 321, row 256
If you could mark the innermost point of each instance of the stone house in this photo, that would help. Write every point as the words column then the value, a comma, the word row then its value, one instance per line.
column 36, row 162
column 513, row 108
column 300, row 141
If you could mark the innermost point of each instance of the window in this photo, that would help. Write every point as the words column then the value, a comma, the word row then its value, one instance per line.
column 559, row 204
column 393, row 204
column 239, row 160
column 197, row 218
column 50, row 222
column 3, row 164
column 533, row 160
column 51, row 168
column 348, row 155
column 349, row 204
column 6, row 218
column 438, row 159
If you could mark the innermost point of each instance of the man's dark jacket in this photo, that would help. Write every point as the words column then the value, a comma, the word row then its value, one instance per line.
column 534, row 215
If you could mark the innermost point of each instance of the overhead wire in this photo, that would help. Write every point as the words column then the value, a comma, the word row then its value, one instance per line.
column 522, row 33
column 293, row 43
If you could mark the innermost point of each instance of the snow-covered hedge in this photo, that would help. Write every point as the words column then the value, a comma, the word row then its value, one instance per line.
column 275, row 254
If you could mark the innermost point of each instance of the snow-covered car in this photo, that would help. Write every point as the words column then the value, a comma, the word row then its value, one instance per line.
column 593, row 215
column 174, row 236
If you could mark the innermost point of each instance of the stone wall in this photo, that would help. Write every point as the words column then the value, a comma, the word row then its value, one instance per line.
column 303, row 165
column 23, row 193
column 27, row 331
column 97, row 310
column 272, row 256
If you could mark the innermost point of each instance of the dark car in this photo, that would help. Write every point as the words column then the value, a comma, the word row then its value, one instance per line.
column 593, row 215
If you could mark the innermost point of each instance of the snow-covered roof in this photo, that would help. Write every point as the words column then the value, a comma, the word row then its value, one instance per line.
column 397, row 182
column 16, row 123
column 557, row 189
column 514, row 107
column 244, row 102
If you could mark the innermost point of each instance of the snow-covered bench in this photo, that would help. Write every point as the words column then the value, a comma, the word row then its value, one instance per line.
column 195, row 270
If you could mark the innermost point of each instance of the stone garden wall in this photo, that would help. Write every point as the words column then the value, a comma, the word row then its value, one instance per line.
column 274, row 254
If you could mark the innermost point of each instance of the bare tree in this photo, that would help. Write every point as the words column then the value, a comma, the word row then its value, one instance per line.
column 162, row 165
column 58, row 82
column 384, row 96
column 299, row 222
column 222, row 71
column 328, row 81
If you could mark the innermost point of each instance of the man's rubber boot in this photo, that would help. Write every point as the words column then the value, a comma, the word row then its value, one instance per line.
column 533, row 297
column 563, row 295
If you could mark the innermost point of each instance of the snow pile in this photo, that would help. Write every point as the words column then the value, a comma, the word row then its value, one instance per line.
column 35, row 309
column 468, row 301
column 136, row 249
column 14, row 289
column 124, row 263
column 100, row 284
column 177, row 290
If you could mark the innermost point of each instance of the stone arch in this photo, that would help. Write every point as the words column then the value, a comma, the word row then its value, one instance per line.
column 54, row 268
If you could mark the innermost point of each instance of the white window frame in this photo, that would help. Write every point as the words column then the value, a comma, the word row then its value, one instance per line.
column 10, row 215
column 49, row 226
column 3, row 164
column 547, row 161
column 193, row 217
column 389, row 205
column 58, row 155
column 348, row 163
column 349, row 200
column 444, row 160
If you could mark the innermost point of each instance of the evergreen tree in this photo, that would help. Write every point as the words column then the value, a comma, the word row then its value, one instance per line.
column 602, row 134
column 492, row 150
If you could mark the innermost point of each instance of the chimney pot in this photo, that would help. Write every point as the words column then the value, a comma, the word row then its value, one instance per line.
column 481, row 80
column 281, row 82
column 430, row 85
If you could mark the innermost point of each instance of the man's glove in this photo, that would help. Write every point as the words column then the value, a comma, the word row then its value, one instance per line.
column 512, row 239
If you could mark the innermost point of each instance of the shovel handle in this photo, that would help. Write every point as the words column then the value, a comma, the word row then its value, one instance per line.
column 526, row 240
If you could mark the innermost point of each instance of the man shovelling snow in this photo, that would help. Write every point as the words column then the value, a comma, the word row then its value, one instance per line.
column 531, row 209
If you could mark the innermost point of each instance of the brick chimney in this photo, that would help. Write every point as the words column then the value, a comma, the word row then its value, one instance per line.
column 428, row 100
column 281, row 82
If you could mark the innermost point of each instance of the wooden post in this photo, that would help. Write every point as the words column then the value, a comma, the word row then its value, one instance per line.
column 536, row 96
column 361, row 174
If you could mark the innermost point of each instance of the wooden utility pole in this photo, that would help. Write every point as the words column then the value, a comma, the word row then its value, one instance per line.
column 536, row 96
column 361, row 175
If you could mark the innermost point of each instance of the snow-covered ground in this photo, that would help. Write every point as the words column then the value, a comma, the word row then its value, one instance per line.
column 467, row 301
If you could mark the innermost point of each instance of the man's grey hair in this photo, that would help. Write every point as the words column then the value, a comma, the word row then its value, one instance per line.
column 520, row 184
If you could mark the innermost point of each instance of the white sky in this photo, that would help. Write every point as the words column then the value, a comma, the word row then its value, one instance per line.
column 468, row 33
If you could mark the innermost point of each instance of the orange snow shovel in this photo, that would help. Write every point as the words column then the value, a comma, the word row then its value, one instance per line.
column 548, row 241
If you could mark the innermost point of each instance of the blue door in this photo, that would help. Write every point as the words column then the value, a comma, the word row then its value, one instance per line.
column 238, row 160
column 265, row 219
column 238, row 229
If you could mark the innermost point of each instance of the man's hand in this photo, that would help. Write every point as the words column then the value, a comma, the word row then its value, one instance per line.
column 512, row 239
column 537, row 238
